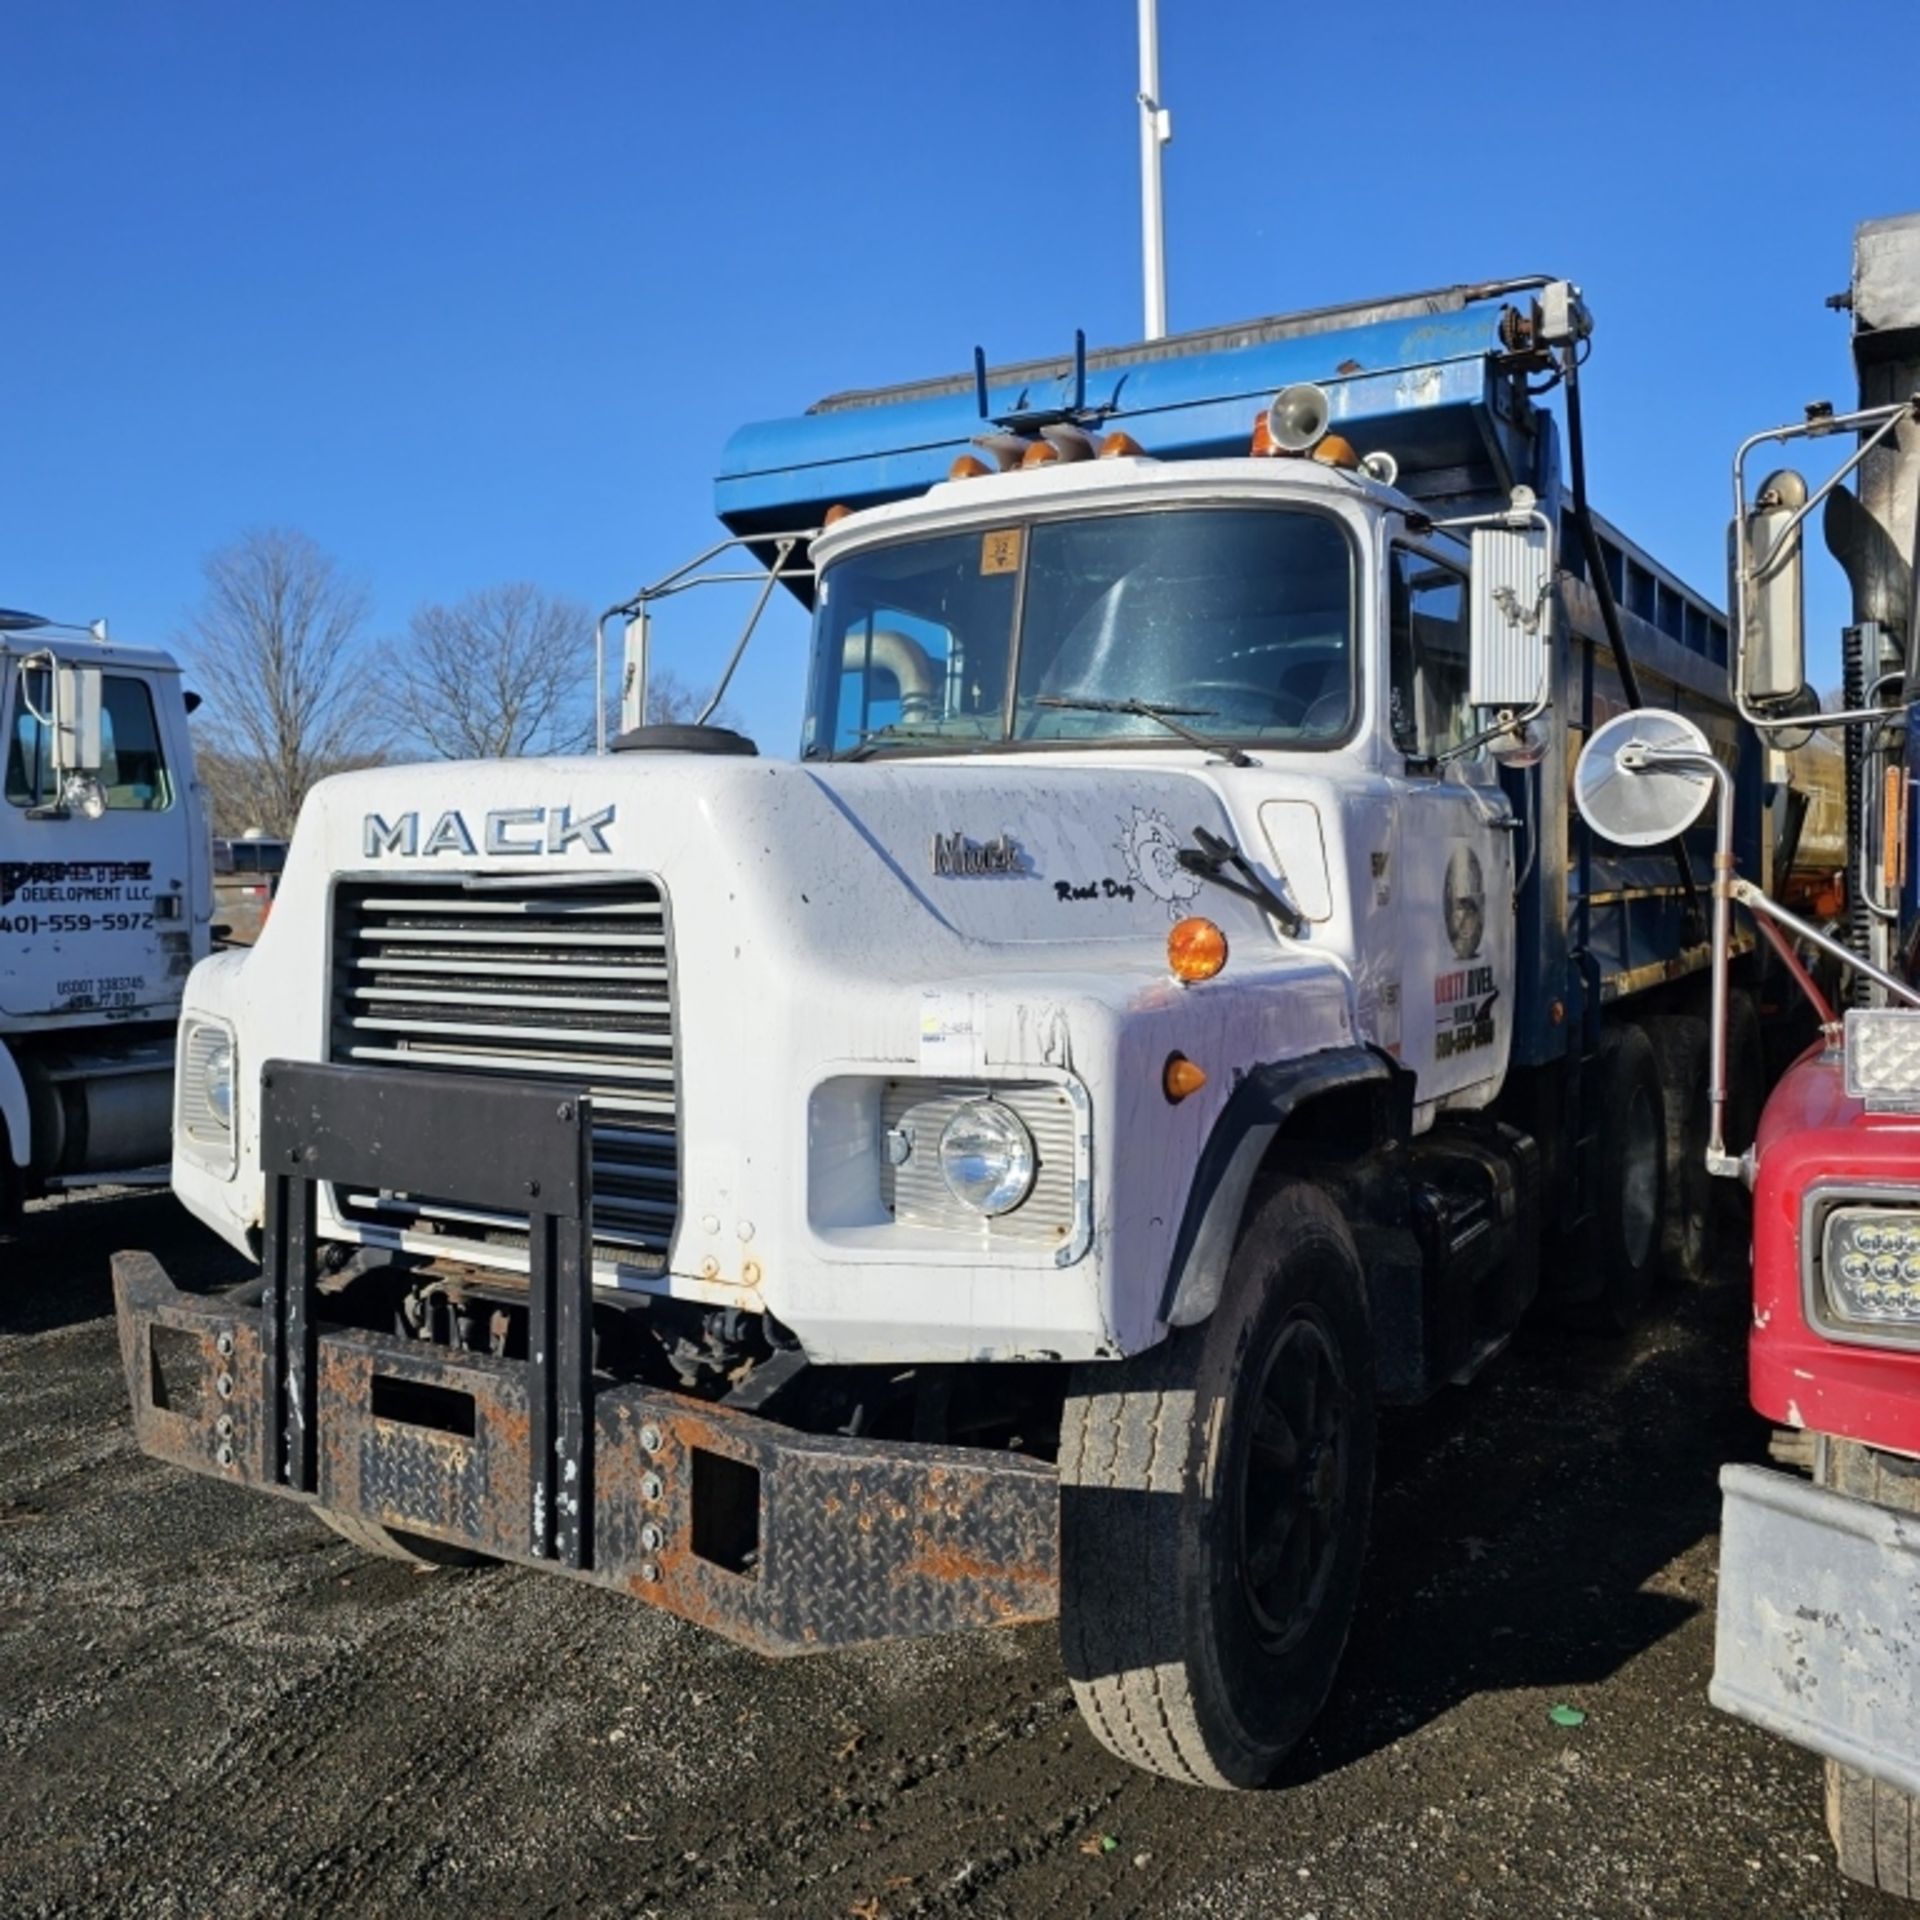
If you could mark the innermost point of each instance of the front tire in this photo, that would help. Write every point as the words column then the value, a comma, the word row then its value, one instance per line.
column 1215, row 1500
column 1875, row 1828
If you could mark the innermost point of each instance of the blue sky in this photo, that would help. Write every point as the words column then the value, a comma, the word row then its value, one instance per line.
column 476, row 292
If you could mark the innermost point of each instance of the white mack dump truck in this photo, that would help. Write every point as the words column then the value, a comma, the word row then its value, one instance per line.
column 105, row 904
column 996, row 1164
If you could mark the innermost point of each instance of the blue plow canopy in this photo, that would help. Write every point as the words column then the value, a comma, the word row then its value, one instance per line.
column 1417, row 377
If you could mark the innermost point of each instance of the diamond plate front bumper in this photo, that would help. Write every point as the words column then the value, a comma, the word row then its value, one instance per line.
column 784, row 1541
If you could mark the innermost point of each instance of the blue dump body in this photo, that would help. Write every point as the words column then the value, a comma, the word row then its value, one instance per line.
column 1420, row 386
column 1428, row 379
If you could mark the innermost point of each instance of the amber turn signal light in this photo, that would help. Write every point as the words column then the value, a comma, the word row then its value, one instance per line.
column 1196, row 949
column 1041, row 454
column 1121, row 446
column 1180, row 1077
column 968, row 467
column 835, row 514
column 1262, row 444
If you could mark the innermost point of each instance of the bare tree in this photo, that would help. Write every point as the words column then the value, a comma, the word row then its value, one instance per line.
column 239, row 791
column 276, row 643
column 502, row 671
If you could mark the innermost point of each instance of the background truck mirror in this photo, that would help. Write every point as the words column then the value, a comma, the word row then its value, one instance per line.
column 1512, row 615
column 77, row 746
column 1770, row 602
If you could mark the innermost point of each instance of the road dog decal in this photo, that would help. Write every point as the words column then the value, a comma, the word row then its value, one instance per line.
column 1151, row 847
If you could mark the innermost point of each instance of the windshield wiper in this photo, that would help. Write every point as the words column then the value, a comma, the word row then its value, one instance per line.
column 1168, row 717
column 1210, row 857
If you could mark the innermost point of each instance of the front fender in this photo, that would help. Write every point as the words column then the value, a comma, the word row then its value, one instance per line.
column 1260, row 1106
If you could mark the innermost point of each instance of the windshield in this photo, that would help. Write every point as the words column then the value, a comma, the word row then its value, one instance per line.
column 1237, row 620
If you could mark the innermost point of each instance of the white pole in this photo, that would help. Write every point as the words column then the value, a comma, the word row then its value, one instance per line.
column 1156, row 129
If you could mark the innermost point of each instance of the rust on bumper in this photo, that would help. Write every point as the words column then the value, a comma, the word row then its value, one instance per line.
column 784, row 1541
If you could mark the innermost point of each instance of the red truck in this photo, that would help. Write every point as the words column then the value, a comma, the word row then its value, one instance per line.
column 1818, row 1636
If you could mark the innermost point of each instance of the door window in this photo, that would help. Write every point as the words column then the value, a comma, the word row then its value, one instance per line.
column 1427, row 644
column 133, row 767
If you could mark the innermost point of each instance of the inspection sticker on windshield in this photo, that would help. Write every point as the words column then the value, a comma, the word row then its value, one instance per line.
column 1000, row 551
column 952, row 1032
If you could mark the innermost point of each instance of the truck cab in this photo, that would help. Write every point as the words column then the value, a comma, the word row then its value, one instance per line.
column 104, row 903
column 995, row 1163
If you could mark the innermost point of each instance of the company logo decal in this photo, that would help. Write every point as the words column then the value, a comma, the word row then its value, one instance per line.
column 58, row 880
column 512, row 831
column 1464, row 900
column 1463, row 999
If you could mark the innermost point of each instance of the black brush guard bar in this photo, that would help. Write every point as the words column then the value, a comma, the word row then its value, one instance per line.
column 450, row 1137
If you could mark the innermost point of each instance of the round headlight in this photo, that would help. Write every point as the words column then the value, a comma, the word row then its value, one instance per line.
column 217, row 1072
column 987, row 1157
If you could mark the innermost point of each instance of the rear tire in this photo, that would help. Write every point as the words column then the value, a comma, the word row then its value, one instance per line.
column 1631, row 1147
column 391, row 1543
column 1682, row 1052
column 1875, row 1828
column 1215, row 1499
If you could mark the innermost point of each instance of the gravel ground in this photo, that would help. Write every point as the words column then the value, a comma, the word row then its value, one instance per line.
column 209, row 1703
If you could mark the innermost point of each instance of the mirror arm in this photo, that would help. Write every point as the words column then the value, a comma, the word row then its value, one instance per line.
column 1637, row 758
column 1516, row 724
column 1756, row 902
column 44, row 659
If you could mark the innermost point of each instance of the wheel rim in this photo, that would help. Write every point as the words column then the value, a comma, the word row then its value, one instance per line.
column 1293, row 1481
column 1640, row 1178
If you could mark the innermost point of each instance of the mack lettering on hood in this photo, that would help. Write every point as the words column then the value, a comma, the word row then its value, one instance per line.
column 515, row 831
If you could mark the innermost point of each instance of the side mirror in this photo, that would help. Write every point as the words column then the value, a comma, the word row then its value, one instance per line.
column 1512, row 612
column 1770, row 602
column 77, row 744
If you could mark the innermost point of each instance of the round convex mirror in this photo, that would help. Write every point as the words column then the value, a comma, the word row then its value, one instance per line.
column 1641, row 806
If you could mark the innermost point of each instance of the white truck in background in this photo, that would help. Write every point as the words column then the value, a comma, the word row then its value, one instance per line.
column 105, row 904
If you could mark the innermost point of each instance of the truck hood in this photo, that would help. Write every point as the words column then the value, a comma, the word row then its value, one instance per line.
column 905, row 859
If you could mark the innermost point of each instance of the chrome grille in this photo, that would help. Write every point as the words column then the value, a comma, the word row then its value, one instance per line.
column 570, row 982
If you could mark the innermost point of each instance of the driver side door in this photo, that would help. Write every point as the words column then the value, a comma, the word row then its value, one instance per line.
column 1453, row 855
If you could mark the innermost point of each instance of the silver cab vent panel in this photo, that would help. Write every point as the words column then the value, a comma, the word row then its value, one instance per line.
column 561, row 981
